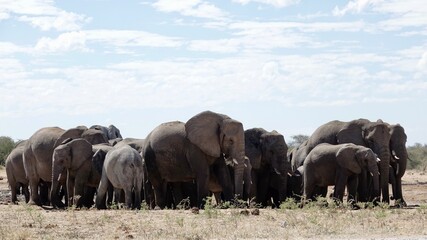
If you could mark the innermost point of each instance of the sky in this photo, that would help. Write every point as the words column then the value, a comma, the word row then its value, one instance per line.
column 285, row 65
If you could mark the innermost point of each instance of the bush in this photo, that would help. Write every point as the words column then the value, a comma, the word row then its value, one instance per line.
column 6, row 146
column 417, row 156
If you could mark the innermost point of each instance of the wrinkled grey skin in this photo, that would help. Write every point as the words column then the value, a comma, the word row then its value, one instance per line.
column 183, row 152
column 374, row 135
column 74, row 157
column 16, row 173
column 267, row 152
column 38, row 153
column 123, row 169
column 338, row 165
column 110, row 132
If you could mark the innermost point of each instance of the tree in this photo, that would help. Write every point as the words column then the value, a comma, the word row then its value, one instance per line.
column 6, row 146
column 297, row 140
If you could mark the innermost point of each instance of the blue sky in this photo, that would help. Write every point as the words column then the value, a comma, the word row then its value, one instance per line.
column 287, row 65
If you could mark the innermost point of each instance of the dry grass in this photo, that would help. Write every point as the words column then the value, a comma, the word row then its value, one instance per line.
column 31, row 222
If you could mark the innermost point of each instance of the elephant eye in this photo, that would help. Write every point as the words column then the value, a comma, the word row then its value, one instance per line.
column 231, row 141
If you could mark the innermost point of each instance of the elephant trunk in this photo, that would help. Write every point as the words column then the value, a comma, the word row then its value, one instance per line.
column 401, row 156
column 239, row 168
column 56, row 172
column 373, row 169
column 384, row 155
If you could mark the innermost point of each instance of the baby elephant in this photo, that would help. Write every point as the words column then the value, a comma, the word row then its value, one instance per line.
column 338, row 165
column 122, row 169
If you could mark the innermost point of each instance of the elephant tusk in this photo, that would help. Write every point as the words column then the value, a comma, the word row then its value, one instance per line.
column 235, row 162
column 378, row 160
column 289, row 174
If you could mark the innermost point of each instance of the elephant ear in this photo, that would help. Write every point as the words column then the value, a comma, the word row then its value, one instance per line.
column 346, row 158
column 350, row 133
column 253, row 146
column 98, row 160
column 203, row 131
column 72, row 133
column 113, row 132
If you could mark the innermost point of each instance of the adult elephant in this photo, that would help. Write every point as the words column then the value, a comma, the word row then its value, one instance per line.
column 374, row 135
column 16, row 173
column 122, row 169
column 267, row 152
column 338, row 165
column 111, row 132
column 183, row 152
column 38, row 153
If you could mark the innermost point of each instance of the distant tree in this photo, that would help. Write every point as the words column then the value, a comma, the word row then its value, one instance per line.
column 6, row 146
column 296, row 140
column 417, row 156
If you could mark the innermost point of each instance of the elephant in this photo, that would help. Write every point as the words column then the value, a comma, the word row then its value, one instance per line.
column 122, row 168
column 111, row 132
column 16, row 173
column 136, row 143
column 183, row 152
column 338, row 165
column 267, row 152
column 38, row 153
column 375, row 135
column 74, row 156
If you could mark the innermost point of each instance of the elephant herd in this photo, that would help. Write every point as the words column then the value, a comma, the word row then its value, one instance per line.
column 209, row 155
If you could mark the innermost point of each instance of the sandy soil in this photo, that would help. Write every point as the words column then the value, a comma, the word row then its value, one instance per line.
column 31, row 222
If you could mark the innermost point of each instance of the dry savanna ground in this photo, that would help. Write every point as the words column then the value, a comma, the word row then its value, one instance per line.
column 31, row 222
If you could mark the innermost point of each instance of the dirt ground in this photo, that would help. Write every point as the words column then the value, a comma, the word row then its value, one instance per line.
column 31, row 222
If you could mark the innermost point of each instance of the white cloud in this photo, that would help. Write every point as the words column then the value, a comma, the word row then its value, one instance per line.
column 192, row 8
column 399, row 14
column 78, row 40
column 274, row 3
column 65, row 42
column 354, row 6
column 131, row 38
column 10, row 70
column 422, row 63
column 7, row 48
column 42, row 14
column 4, row 15
column 63, row 21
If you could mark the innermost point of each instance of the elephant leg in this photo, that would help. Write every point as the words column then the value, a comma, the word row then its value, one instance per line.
column 118, row 196
column 399, row 195
column 253, row 192
column 352, row 188
column 13, row 190
column 223, row 175
column 262, row 189
column 128, row 197
column 26, row 192
column 70, row 190
column 34, row 189
column 81, row 180
column 103, row 187
column 177, row 193
column 340, row 182
column 362, row 187
column 160, row 195
column 89, row 196
column 309, row 190
column 199, row 163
